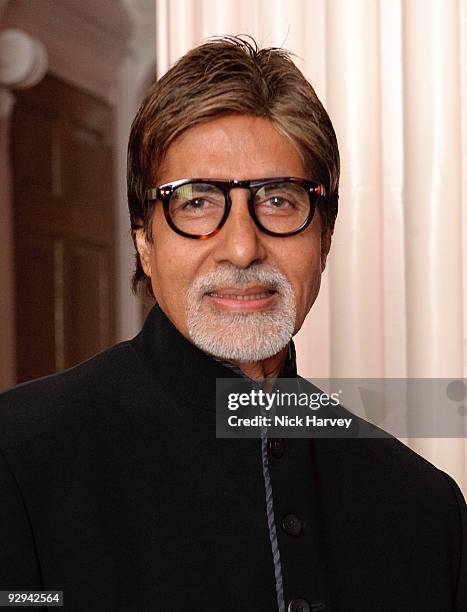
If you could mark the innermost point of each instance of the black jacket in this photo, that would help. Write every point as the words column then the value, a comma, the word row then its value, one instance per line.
column 114, row 489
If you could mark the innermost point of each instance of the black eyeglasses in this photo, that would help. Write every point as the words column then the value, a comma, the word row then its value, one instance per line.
column 198, row 208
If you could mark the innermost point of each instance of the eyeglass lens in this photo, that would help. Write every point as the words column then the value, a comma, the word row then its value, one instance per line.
column 197, row 208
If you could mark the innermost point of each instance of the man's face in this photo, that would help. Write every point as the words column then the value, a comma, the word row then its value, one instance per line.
column 239, row 294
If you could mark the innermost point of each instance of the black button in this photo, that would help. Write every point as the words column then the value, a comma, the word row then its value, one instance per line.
column 276, row 447
column 292, row 525
column 299, row 605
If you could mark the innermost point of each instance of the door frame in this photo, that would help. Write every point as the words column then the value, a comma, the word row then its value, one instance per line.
column 106, row 49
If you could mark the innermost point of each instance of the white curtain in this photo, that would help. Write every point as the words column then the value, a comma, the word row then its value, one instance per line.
column 393, row 77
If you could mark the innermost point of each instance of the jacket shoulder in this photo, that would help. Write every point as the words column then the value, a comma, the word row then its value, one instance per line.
column 44, row 401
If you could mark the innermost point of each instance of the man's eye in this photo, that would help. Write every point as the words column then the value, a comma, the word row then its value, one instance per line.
column 195, row 204
column 279, row 202
column 276, row 203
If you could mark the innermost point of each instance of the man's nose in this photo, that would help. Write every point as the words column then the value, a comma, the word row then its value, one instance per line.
column 239, row 241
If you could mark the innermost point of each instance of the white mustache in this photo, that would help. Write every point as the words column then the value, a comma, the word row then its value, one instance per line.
column 269, row 278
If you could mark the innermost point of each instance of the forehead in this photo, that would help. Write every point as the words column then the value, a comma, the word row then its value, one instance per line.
column 234, row 146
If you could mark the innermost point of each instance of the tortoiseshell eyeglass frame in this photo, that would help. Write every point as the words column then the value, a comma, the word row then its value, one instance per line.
column 163, row 193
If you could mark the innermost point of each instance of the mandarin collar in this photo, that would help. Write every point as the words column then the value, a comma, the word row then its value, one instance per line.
column 288, row 370
column 183, row 369
column 173, row 362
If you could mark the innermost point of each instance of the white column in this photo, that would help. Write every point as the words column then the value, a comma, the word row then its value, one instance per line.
column 433, row 213
column 23, row 62
column 136, row 71
column 356, row 266
column 392, row 201
column 313, row 341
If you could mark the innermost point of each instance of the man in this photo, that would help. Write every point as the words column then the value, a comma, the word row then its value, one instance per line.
column 116, row 490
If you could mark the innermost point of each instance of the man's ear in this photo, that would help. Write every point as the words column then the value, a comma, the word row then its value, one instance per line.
column 144, row 250
column 325, row 246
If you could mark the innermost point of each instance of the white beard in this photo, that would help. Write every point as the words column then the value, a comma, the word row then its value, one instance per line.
column 241, row 336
